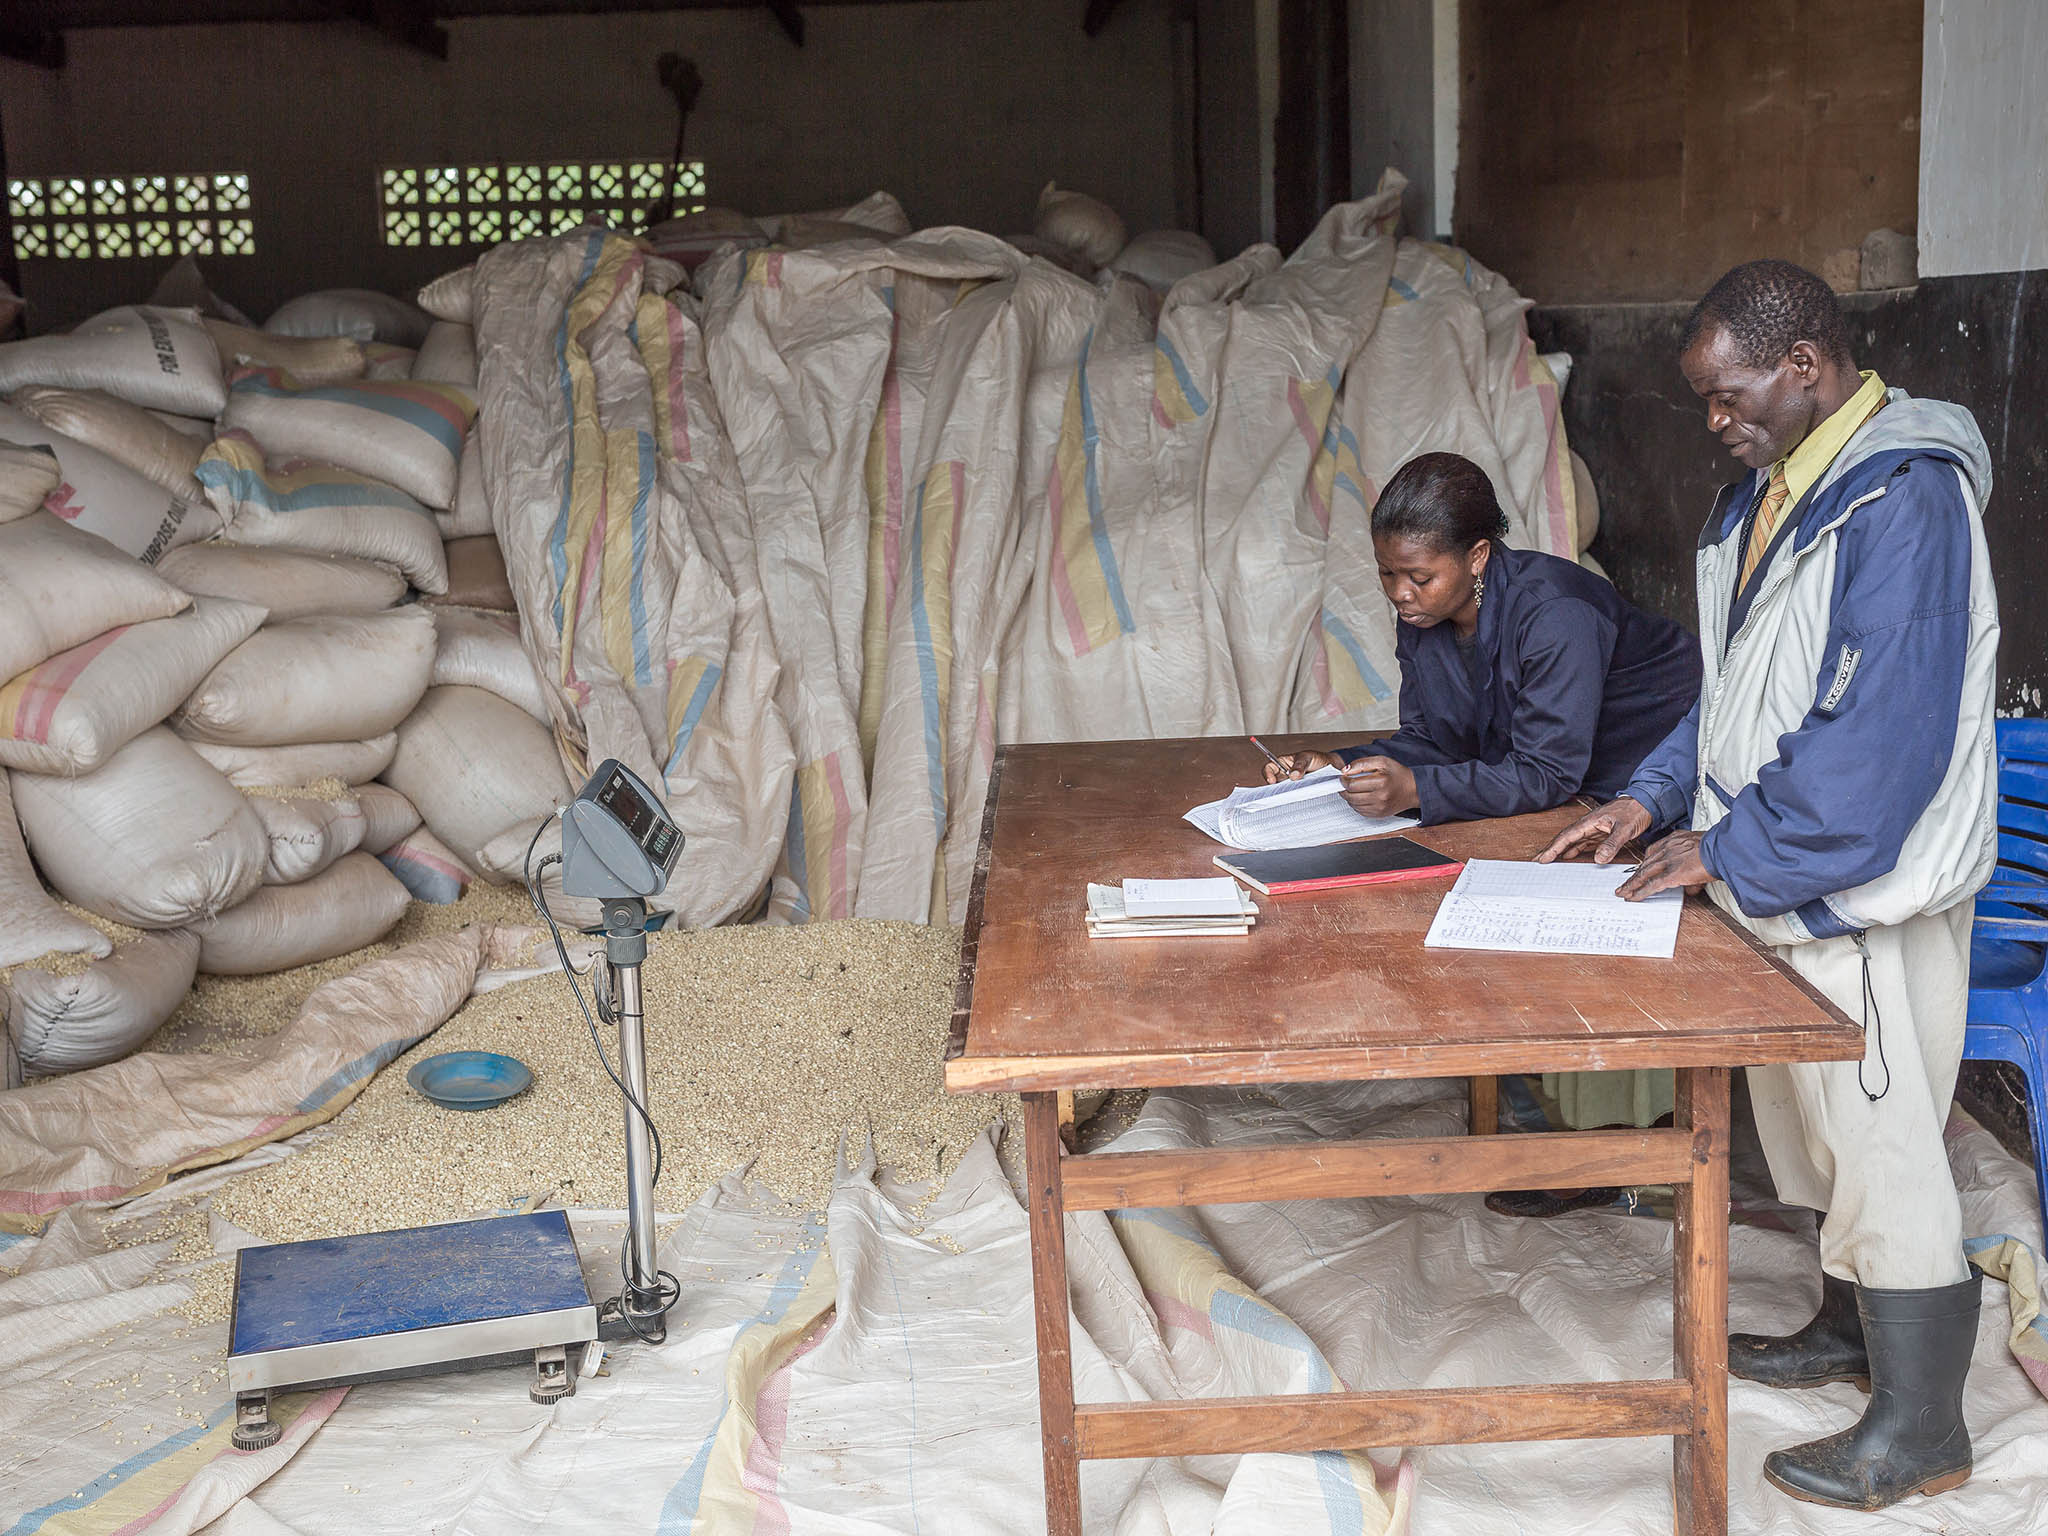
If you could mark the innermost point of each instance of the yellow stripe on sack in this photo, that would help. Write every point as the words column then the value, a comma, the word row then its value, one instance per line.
column 589, row 461
column 874, row 626
column 623, row 487
column 657, row 356
column 726, row 1503
column 1078, row 560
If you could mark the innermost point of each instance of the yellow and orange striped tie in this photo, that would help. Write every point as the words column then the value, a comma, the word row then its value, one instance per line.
column 1770, row 511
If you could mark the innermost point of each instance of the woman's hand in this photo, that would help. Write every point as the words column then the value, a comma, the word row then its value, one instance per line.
column 1294, row 765
column 1378, row 786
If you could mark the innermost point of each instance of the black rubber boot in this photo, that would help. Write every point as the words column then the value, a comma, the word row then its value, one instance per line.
column 1828, row 1348
column 1911, row 1438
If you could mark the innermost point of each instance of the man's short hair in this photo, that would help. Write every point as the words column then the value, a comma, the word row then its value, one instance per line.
column 1766, row 306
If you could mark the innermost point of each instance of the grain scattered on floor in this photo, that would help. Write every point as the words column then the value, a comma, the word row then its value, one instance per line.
column 765, row 1044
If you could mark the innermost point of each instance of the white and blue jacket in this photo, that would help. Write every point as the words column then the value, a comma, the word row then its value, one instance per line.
column 1840, row 759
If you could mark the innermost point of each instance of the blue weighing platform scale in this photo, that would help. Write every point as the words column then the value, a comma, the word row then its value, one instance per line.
column 348, row 1309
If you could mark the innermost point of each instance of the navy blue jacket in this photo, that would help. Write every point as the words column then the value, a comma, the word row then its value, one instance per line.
column 1575, row 687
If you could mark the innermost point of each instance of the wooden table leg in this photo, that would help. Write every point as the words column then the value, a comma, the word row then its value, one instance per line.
column 1700, row 1304
column 1485, row 1092
column 1049, row 1292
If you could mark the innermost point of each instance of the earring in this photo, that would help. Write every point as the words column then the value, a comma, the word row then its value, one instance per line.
column 1478, row 590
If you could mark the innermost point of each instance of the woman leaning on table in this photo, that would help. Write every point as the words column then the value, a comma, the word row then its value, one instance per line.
column 1525, row 680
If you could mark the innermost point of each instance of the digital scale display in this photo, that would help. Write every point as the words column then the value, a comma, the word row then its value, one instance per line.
column 629, row 807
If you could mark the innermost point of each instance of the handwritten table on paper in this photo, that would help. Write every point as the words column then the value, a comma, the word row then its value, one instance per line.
column 1335, row 986
column 1554, row 909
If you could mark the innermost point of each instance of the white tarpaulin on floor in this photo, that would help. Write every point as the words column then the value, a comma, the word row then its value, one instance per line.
column 872, row 1373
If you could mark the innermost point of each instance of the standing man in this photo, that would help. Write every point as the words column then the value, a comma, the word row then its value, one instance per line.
column 1835, row 787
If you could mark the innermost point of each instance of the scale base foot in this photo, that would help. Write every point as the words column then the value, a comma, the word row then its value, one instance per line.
column 552, row 1378
column 255, row 1429
column 614, row 1326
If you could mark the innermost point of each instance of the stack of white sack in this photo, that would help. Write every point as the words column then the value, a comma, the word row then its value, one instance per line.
column 804, row 541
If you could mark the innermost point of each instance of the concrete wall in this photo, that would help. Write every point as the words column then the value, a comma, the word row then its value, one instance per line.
column 1622, row 150
column 962, row 110
column 1404, row 107
column 1983, row 137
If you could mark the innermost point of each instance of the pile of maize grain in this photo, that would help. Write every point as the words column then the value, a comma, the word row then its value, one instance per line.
column 765, row 1045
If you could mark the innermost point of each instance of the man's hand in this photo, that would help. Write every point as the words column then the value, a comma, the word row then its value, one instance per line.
column 1672, row 864
column 1614, row 826
column 1378, row 786
column 1295, row 764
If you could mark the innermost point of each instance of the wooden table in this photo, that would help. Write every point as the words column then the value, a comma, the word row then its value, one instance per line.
column 1337, row 986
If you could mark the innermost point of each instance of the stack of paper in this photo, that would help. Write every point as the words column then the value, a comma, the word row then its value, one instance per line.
column 1556, row 909
column 1170, row 909
column 1295, row 813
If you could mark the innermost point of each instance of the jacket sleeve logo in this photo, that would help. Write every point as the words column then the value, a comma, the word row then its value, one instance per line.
column 1845, row 672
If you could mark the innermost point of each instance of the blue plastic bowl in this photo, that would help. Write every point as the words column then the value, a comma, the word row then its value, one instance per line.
column 469, row 1079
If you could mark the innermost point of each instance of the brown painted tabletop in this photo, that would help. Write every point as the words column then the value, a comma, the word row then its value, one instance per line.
column 1332, row 985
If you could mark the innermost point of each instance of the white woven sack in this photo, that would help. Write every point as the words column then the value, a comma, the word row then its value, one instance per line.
column 307, row 833
column 78, row 708
column 352, row 762
column 447, row 356
column 479, row 648
column 471, row 514
column 160, row 358
column 359, row 313
column 1083, row 224
column 447, row 297
column 400, row 431
column 504, row 860
column 308, row 359
column 384, row 361
column 31, row 924
column 125, row 433
column 200, row 427
column 290, row 583
column 475, row 765
column 353, row 903
column 388, row 817
column 1159, row 258
column 322, row 509
column 63, row 1023
column 60, row 586
column 154, row 838
column 326, row 677
column 28, row 473
column 102, row 495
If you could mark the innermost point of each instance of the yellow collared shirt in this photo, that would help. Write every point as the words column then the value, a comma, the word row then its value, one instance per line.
column 1805, row 464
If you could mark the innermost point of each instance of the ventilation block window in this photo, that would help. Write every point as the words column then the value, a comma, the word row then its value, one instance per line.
column 85, row 218
column 518, row 200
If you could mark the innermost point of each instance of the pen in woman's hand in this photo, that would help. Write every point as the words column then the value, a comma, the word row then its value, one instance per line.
column 1269, row 756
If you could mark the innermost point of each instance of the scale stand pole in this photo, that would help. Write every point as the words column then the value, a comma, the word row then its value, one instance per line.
column 625, row 946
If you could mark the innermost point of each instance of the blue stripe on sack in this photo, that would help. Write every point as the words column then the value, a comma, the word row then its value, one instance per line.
column 437, row 887
column 636, row 588
column 1259, row 1319
column 362, row 1067
column 1182, row 377
column 699, row 698
column 113, row 1477
column 927, row 670
column 249, row 486
column 679, row 1509
column 1404, row 289
column 421, row 418
column 558, row 541
column 1090, row 439
column 793, row 848
column 1332, row 625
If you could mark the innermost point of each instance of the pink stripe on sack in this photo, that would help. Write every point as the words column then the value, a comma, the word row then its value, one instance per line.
column 38, row 1202
column 65, row 503
column 763, row 1467
column 1178, row 1314
column 678, row 406
column 44, row 688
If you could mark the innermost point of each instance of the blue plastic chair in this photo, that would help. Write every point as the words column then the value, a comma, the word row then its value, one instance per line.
column 2008, row 1019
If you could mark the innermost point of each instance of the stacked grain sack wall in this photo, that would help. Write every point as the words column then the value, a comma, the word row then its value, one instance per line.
column 798, row 518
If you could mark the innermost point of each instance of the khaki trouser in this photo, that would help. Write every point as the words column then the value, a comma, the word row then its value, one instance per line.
column 1879, row 1170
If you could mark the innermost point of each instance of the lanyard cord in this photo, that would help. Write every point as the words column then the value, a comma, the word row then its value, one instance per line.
column 1873, row 1019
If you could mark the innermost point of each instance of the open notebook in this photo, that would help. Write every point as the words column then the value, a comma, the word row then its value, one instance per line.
column 1295, row 813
